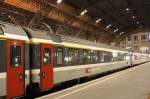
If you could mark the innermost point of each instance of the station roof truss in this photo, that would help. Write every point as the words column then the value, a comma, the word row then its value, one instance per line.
column 103, row 19
column 121, row 14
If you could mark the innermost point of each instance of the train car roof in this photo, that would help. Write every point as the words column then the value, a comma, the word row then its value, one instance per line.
column 39, row 36
column 11, row 31
column 73, row 40
column 42, row 36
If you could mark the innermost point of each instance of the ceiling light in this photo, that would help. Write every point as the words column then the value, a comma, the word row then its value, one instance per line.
column 116, row 30
column 9, row 16
column 108, row 26
column 97, row 21
column 137, row 22
column 141, row 26
column 121, row 33
column 127, row 9
column 59, row 1
column 2, row 13
column 16, row 12
column 83, row 12
column 133, row 17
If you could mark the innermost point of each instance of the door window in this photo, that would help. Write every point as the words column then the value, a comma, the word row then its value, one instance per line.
column 15, row 56
column 59, row 56
column 47, row 56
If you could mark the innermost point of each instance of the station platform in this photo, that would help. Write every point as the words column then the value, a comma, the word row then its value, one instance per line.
column 133, row 83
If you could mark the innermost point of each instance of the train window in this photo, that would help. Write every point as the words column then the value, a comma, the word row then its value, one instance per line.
column 76, row 56
column 35, row 54
column 107, row 56
column 87, row 56
column 102, row 56
column 67, row 56
column 143, row 37
column 121, row 57
column 81, row 56
column 59, row 56
column 47, row 56
column 129, row 38
column 95, row 56
column 15, row 56
column 135, row 38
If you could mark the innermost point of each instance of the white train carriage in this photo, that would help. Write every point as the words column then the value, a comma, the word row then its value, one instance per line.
column 35, row 60
column 13, row 61
column 82, row 59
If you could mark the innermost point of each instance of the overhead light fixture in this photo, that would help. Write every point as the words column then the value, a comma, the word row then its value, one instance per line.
column 16, row 12
column 59, row 1
column 137, row 22
column 9, row 16
column 83, row 12
column 141, row 26
column 116, row 30
column 117, row 36
column 97, row 21
column 133, row 17
column 3, row 13
column 121, row 33
column 108, row 26
column 127, row 9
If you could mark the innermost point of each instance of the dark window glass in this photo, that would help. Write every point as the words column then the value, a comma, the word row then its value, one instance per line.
column 135, row 38
column 76, row 57
column 95, row 56
column 129, row 38
column 81, row 56
column 35, row 54
column 66, row 59
column 121, row 56
column 107, row 56
column 68, row 56
column 72, row 56
column 143, row 37
column 100, row 57
column 59, row 56
column 115, row 56
column 47, row 56
column 15, row 56
column 86, row 56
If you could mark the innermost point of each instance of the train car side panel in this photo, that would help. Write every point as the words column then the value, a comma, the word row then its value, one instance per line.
column 15, row 68
column 46, row 66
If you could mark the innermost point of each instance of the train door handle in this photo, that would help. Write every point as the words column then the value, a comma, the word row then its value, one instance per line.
column 42, row 74
column 21, row 77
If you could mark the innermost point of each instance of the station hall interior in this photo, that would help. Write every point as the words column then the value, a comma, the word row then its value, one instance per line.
column 121, row 23
column 91, row 46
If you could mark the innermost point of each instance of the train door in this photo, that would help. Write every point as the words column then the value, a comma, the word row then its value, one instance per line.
column 15, row 68
column 46, row 66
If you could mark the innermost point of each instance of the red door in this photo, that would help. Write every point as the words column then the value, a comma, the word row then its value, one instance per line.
column 15, row 68
column 46, row 66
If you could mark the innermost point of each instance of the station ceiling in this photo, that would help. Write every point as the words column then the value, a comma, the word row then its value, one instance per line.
column 108, row 18
column 120, row 14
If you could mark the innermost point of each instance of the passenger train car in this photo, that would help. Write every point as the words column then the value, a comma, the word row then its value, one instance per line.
column 36, row 60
